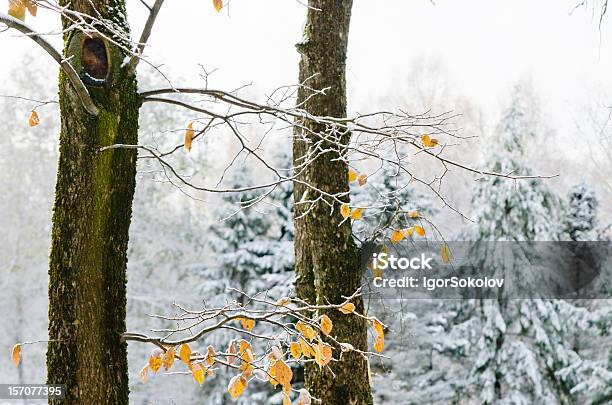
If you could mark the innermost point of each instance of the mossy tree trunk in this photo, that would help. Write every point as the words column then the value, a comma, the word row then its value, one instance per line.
column 327, row 260
column 93, row 206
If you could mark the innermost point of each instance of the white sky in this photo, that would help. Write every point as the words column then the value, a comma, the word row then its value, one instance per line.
column 484, row 45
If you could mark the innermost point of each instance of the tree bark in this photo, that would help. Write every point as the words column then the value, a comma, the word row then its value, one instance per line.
column 327, row 259
column 93, row 206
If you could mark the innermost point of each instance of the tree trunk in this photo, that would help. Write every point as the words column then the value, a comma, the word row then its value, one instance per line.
column 327, row 260
column 93, row 206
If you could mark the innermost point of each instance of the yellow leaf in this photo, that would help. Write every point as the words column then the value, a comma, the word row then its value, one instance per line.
column 378, row 328
column 379, row 345
column 326, row 325
column 347, row 308
column 198, row 373
column 34, row 120
column 352, row 175
column 236, row 386
column 144, row 374
column 345, row 211
column 185, row 353
column 419, row 229
column 283, row 301
column 16, row 354
column 247, row 323
column 407, row 232
column 244, row 346
column 446, row 255
column 414, row 214
column 17, row 9
column 429, row 142
column 362, row 180
column 397, row 236
column 280, row 373
column 189, row 136
column 309, row 333
column 218, row 4
column 286, row 399
column 168, row 357
column 307, row 350
column 296, row 351
column 210, row 355
column 247, row 358
column 356, row 213
column 155, row 360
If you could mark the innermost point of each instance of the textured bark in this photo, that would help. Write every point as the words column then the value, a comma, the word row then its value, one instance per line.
column 327, row 260
column 93, row 205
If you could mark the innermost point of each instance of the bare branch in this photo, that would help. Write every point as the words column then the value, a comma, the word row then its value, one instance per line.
column 144, row 37
column 79, row 87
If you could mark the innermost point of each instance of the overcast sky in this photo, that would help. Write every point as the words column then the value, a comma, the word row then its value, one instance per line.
column 484, row 45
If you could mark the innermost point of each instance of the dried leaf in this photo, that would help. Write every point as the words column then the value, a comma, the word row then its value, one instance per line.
column 155, row 360
column 408, row 231
column 34, row 120
column 280, row 373
column 397, row 236
column 323, row 354
column 247, row 323
column 414, row 214
column 210, row 355
column 198, row 373
column 144, row 374
column 345, row 211
column 379, row 345
column 326, row 325
column 185, row 353
column 356, row 213
column 362, row 180
column 189, row 136
column 218, row 4
column 446, row 255
column 168, row 357
column 307, row 350
column 17, row 9
column 283, row 301
column 347, row 308
column 16, row 354
column 286, row 399
column 429, row 142
column 236, row 386
column 352, row 175
column 31, row 6
column 296, row 351
column 232, row 351
column 420, row 230
column 309, row 333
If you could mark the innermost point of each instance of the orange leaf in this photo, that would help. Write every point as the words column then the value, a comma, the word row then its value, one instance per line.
column 185, row 353
column 218, row 4
column 357, row 213
column 347, row 308
column 168, row 357
column 352, row 175
column 189, row 136
column 32, row 7
column 419, row 229
column 414, row 214
column 210, row 355
column 379, row 345
column 232, row 351
column 296, row 351
column 280, row 373
column 362, row 180
column 17, row 9
column 429, row 142
column 345, row 211
column 16, row 354
column 198, row 373
column 307, row 350
column 323, row 354
column 283, row 301
column 236, row 386
column 155, row 360
column 397, row 236
column 326, row 325
column 247, row 323
column 34, row 120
